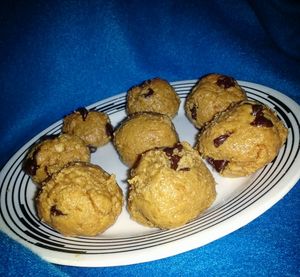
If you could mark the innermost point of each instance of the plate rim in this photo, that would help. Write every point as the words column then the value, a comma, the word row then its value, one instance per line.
column 293, row 179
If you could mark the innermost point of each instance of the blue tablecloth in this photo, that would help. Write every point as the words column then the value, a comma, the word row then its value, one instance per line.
column 58, row 55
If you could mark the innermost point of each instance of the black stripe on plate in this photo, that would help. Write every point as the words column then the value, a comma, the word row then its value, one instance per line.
column 127, row 246
column 164, row 237
column 215, row 223
column 50, row 247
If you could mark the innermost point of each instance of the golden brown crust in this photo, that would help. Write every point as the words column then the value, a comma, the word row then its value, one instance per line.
column 170, row 187
column 51, row 154
column 80, row 200
column 155, row 95
column 93, row 127
column 247, row 136
column 141, row 132
column 212, row 94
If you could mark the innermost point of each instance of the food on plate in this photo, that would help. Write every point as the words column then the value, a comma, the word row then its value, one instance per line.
column 169, row 184
column 169, row 187
column 242, row 139
column 141, row 132
column 155, row 95
column 53, row 152
column 213, row 93
column 93, row 127
column 80, row 200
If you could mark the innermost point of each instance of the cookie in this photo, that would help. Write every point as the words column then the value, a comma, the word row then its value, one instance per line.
column 80, row 200
column 169, row 187
column 213, row 93
column 51, row 153
column 93, row 127
column 141, row 132
column 242, row 139
column 155, row 95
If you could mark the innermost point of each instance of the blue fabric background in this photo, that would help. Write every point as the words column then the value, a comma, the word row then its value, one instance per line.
column 58, row 55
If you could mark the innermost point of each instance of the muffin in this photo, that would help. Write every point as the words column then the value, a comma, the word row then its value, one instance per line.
column 93, row 127
column 53, row 152
column 213, row 93
column 80, row 200
column 169, row 187
column 242, row 139
column 155, row 95
column 141, row 132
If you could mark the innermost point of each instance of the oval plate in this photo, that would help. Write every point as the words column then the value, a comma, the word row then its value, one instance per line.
column 238, row 202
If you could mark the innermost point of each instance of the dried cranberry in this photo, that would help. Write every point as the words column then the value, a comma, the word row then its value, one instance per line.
column 149, row 93
column 83, row 112
column 194, row 112
column 178, row 146
column 257, row 109
column 261, row 121
column 219, row 165
column 55, row 212
column 221, row 139
column 169, row 150
column 174, row 159
column 225, row 82
column 30, row 166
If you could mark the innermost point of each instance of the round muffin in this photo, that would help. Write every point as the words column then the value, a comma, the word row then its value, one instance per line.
column 80, row 200
column 93, row 127
column 53, row 152
column 242, row 139
column 169, row 187
column 141, row 132
column 212, row 94
column 155, row 95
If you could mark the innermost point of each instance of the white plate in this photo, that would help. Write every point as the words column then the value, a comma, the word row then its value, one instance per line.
column 238, row 200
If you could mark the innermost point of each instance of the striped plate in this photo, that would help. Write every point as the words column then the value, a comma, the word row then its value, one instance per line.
column 238, row 202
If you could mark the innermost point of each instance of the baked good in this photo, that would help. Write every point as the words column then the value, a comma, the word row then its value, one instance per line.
column 169, row 187
column 155, row 95
column 143, row 131
column 93, row 127
column 213, row 93
column 80, row 200
column 242, row 139
column 53, row 152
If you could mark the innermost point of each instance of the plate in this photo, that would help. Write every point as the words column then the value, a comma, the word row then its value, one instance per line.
column 239, row 200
